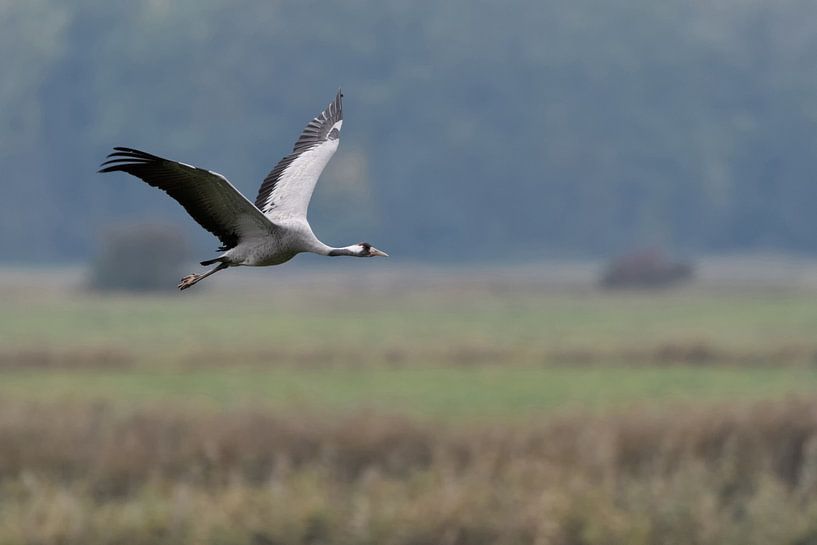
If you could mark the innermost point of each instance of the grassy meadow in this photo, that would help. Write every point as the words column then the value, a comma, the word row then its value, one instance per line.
column 436, row 407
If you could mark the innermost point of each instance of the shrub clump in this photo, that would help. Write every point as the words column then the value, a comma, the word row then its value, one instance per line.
column 650, row 268
column 139, row 258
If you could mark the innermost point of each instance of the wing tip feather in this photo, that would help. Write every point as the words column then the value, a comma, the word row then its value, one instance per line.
column 339, row 103
column 123, row 157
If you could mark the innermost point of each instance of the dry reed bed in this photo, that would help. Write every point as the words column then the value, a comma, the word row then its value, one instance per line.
column 720, row 474
column 117, row 449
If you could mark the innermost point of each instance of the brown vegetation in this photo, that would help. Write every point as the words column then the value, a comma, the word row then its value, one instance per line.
column 88, row 357
column 681, row 352
column 688, row 352
column 90, row 474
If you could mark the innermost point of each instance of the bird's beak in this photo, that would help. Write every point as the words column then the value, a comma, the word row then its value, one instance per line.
column 374, row 252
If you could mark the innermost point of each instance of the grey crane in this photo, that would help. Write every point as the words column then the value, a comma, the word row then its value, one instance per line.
column 269, row 232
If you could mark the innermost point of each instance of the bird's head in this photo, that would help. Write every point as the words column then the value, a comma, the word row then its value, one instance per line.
column 364, row 249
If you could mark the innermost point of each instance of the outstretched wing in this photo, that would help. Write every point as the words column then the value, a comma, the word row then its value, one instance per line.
column 287, row 189
column 207, row 196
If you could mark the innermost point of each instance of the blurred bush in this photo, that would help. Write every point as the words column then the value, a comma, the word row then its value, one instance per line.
column 650, row 268
column 141, row 257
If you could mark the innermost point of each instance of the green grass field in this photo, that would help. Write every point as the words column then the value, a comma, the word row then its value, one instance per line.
column 413, row 317
column 432, row 350
column 493, row 392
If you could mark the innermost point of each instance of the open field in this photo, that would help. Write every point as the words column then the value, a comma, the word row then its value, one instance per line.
column 483, row 324
column 432, row 345
column 428, row 408
column 488, row 392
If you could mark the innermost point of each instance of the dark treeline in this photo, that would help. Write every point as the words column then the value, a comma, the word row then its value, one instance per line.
column 516, row 129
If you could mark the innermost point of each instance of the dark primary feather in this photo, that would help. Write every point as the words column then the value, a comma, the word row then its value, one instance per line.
column 208, row 197
column 315, row 132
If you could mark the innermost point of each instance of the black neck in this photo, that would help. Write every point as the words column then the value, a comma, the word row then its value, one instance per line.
column 341, row 251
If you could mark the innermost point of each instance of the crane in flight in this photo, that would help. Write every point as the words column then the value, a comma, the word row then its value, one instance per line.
column 271, row 231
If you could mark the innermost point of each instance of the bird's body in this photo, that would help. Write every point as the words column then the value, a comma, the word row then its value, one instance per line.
column 271, row 231
column 291, row 238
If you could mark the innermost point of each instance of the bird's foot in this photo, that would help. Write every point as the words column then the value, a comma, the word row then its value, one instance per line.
column 188, row 281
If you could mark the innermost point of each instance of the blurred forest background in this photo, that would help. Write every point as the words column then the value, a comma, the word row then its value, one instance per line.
column 533, row 128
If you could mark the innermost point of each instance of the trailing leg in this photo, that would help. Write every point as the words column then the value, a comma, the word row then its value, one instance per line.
column 192, row 279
